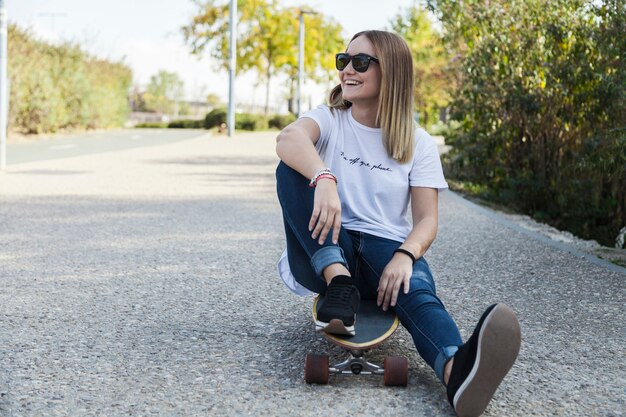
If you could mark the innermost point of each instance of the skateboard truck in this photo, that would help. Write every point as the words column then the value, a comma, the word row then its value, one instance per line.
column 357, row 364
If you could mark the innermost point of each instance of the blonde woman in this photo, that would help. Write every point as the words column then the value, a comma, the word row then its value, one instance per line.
column 348, row 174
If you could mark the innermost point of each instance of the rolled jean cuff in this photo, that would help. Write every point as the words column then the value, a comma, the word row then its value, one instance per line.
column 442, row 359
column 326, row 256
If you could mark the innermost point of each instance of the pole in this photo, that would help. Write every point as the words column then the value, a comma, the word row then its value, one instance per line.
column 301, row 61
column 300, row 65
column 233, row 65
column 4, row 97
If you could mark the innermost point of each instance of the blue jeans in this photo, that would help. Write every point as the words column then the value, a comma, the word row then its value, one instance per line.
column 421, row 312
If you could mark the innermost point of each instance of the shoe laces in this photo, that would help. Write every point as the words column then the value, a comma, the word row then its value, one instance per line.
column 339, row 295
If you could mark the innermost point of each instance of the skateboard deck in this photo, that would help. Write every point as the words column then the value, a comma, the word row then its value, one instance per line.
column 372, row 327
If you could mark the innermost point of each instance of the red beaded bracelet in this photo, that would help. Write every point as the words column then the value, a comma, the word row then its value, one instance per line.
column 322, row 174
column 328, row 176
column 317, row 174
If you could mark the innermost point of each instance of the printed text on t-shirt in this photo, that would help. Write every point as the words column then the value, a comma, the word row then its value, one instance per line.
column 358, row 161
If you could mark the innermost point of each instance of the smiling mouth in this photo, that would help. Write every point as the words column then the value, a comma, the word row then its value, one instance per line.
column 352, row 83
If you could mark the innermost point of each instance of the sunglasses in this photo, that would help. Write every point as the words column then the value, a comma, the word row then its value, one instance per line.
column 360, row 62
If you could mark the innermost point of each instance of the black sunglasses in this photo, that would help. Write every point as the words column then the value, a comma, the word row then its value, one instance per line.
column 360, row 62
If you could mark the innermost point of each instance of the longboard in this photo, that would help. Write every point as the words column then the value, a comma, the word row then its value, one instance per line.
column 372, row 327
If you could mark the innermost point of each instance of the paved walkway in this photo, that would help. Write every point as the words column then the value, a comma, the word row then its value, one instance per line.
column 143, row 282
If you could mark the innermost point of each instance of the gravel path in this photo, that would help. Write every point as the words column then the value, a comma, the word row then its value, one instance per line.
column 143, row 282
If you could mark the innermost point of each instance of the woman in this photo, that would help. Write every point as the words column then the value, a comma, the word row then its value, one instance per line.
column 347, row 175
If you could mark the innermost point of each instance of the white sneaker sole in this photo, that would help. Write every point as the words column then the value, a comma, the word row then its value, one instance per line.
column 335, row 326
column 498, row 345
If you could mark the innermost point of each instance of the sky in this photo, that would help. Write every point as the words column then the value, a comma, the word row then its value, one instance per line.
column 145, row 34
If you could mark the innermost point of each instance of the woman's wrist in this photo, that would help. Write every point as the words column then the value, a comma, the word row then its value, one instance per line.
column 325, row 173
column 407, row 253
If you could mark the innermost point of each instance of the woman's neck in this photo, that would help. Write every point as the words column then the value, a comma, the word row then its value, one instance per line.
column 366, row 115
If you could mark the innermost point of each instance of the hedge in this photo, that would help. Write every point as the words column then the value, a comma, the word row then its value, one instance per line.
column 541, row 109
column 60, row 86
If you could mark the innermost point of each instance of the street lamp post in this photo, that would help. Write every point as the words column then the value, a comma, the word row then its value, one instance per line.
column 301, row 61
column 230, row 123
column 4, row 90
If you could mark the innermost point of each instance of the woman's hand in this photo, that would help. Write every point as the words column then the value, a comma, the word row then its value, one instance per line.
column 396, row 274
column 326, row 211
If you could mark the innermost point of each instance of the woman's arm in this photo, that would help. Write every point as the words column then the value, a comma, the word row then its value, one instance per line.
column 397, row 273
column 425, row 210
column 295, row 146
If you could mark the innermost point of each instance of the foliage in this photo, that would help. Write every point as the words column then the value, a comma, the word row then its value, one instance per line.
column 280, row 121
column 323, row 40
column 247, row 121
column 186, row 124
column 215, row 118
column 137, row 102
column 243, row 121
column 445, row 129
column 59, row 86
column 164, row 92
column 151, row 125
column 267, row 39
column 214, row 100
column 542, row 105
column 431, row 62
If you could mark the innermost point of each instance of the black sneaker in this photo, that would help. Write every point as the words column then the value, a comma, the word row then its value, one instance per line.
column 482, row 362
column 337, row 311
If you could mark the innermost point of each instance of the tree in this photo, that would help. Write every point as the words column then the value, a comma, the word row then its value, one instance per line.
column 432, row 81
column 213, row 100
column 323, row 41
column 541, row 104
column 164, row 93
column 267, row 39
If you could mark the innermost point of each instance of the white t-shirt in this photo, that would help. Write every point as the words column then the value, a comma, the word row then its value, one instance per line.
column 374, row 189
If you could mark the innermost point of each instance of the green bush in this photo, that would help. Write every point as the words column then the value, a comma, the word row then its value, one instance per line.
column 444, row 129
column 215, row 118
column 151, row 125
column 280, row 121
column 247, row 121
column 243, row 121
column 186, row 124
column 60, row 86
column 541, row 105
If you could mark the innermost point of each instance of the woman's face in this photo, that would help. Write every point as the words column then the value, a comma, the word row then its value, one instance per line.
column 361, row 87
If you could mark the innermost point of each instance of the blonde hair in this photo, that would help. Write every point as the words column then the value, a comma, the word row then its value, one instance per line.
column 395, row 105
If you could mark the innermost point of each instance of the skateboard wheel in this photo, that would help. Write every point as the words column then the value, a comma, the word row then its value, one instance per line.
column 316, row 369
column 396, row 371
